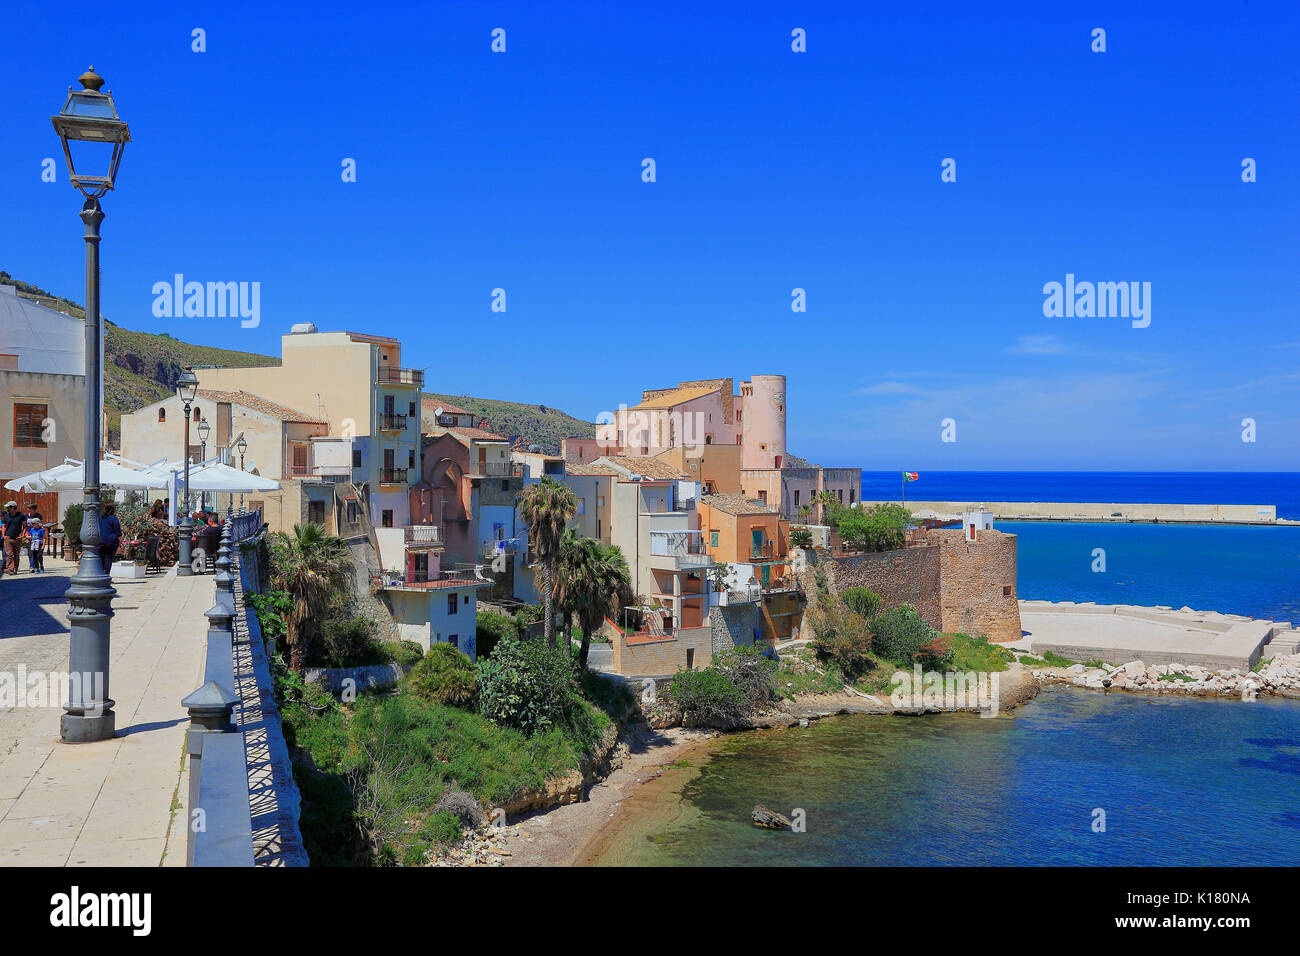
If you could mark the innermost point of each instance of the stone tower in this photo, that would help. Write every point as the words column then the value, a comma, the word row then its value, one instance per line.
column 763, row 425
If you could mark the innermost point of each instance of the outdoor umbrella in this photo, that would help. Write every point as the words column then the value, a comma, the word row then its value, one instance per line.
column 71, row 476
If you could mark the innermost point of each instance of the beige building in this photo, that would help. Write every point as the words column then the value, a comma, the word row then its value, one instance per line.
column 283, row 443
column 42, row 394
column 355, row 383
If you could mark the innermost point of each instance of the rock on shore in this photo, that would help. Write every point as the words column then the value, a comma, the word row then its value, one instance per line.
column 1279, row 676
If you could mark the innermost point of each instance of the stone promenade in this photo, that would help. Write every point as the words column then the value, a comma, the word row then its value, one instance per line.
column 118, row 802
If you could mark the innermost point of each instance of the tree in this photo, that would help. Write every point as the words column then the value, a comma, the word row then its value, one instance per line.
column 800, row 538
column 805, row 513
column 718, row 575
column 310, row 566
column 546, row 508
column 830, row 505
column 881, row 527
column 593, row 582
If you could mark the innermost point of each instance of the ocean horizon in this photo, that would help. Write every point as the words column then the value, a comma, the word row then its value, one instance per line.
column 1279, row 488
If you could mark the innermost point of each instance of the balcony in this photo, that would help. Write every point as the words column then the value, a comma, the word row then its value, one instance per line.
column 676, row 550
column 492, row 549
column 390, row 422
column 422, row 535
column 391, row 375
column 763, row 552
column 745, row 595
column 392, row 476
column 495, row 469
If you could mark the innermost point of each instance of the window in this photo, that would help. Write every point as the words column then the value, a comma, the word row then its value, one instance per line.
column 316, row 512
column 796, row 499
column 162, row 414
column 713, row 538
column 600, row 501
column 410, row 409
column 300, row 459
column 386, row 518
column 454, row 641
column 410, row 458
column 505, row 484
column 690, row 658
column 198, row 415
column 1006, row 590
column 464, row 599
column 356, row 458
column 354, row 512
column 762, row 496
column 840, row 494
column 452, row 604
column 850, row 497
column 29, row 424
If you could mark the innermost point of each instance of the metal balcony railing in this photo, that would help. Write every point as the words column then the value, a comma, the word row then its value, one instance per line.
column 422, row 534
column 765, row 550
column 392, row 375
column 392, row 476
column 391, row 422
column 496, row 469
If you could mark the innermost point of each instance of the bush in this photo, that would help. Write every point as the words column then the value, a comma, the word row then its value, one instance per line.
column 404, row 653
column 349, row 642
column 72, row 525
column 750, row 670
column 528, row 685
column 271, row 609
column 841, row 636
column 862, row 601
column 460, row 804
column 492, row 628
column 445, row 676
column 881, row 527
column 709, row 696
column 900, row 635
column 800, row 538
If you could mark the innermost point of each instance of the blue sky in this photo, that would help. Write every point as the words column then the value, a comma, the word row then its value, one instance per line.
column 775, row 170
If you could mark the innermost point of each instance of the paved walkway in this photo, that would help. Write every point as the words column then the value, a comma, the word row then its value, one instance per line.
column 118, row 802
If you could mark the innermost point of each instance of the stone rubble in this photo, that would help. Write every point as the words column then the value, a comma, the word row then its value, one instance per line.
column 1278, row 676
column 484, row 846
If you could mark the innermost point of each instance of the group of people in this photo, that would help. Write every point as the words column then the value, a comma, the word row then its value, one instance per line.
column 18, row 530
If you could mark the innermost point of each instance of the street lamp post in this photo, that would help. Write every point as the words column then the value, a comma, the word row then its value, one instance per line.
column 186, row 387
column 90, row 117
column 242, row 445
column 204, row 431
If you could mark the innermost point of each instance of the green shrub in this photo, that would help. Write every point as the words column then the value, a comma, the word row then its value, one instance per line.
column 72, row 525
column 900, row 635
column 841, row 637
column 349, row 642
column 490, row 629
column 880, row 527
column 708, row 695
column 800, row 538
column 271, row 609
column 750, row 670
column 528, row 685
column 445, row 676
column 405, row 653
column 862, row 601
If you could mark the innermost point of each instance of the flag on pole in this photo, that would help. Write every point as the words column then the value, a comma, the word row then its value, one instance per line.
column 911, row 475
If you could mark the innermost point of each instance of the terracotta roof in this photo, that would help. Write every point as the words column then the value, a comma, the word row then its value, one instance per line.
column 655, row 468
column 447, row 407
column 677, row 396
column 733, row 504
column 579, row 470
column 259, row 404
column 476, row 434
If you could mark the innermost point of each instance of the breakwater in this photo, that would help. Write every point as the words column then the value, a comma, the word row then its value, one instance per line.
column 1102, row 511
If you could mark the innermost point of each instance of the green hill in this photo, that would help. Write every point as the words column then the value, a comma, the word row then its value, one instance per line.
column 140, row 367
column 535, row 424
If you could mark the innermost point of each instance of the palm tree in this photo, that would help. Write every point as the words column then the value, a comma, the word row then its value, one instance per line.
column 593, row 582
column 829, row 503
column 805, row 512
column 311, row 567
column 545, row 509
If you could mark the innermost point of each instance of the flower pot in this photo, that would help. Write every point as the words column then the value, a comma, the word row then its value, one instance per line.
column 129, row 570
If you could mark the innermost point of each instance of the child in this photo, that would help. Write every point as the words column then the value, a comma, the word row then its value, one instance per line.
column 36, row 545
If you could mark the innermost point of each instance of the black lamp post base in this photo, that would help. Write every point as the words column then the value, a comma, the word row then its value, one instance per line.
column 85, row 729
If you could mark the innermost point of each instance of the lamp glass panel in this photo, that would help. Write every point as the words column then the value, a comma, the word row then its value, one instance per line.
column 83, row 104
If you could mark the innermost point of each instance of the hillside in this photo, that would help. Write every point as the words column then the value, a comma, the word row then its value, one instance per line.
column 140, row 367
column 535, row 424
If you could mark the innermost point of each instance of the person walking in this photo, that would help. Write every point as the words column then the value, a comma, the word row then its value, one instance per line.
column 36, row 544
column 12, row 526
column 110, row 535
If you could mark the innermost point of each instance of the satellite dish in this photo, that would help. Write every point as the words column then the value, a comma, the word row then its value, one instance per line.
column 437, row 412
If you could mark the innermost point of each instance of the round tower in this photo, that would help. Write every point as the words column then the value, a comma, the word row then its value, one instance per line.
column 763, row 426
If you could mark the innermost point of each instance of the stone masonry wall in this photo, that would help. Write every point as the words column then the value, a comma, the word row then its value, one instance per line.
column 978, row 592
column 732, row 625
column 899, row 577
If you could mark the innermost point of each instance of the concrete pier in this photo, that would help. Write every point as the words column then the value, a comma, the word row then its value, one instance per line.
column 1099, row 511
column 1119, row 633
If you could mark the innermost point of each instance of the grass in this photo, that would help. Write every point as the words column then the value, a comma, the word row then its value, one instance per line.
column 1186, row 679
column 801, row 673
column 978, row 654
column 1049, row 659
column 1261, row 664
column 1098, row 664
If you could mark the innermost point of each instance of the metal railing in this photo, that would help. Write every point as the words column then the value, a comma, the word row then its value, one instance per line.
column 392, row 422
column 765, row 550
column 392, row 375
column 393, row 476
column 422, row 534
column 496, row 469
column 244, row 524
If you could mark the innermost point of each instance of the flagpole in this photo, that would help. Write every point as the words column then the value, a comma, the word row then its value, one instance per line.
column 902, row 488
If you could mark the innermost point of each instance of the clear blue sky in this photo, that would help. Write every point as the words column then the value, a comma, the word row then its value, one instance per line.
column 775, row 170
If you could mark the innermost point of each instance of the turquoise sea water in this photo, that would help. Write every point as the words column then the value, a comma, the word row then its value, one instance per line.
column 1236, row 569
column 1181, row 782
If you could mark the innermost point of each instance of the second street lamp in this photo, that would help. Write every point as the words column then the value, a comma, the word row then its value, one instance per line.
column 89, row 117
column 242, row 445
column 187, row 387
column 204, row 431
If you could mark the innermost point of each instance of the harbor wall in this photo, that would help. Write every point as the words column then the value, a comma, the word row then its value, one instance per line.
column 1101, row 511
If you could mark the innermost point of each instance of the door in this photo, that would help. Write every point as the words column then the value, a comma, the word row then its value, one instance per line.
column 388, row 465
column 757, row 534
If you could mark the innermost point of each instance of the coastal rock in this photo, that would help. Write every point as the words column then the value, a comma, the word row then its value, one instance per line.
column 769, row 819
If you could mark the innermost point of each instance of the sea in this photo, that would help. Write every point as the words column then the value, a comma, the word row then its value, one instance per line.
column 1073, row 777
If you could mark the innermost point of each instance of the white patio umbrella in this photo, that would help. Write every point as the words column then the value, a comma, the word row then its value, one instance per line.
column 214, row 476
column 71, row 476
